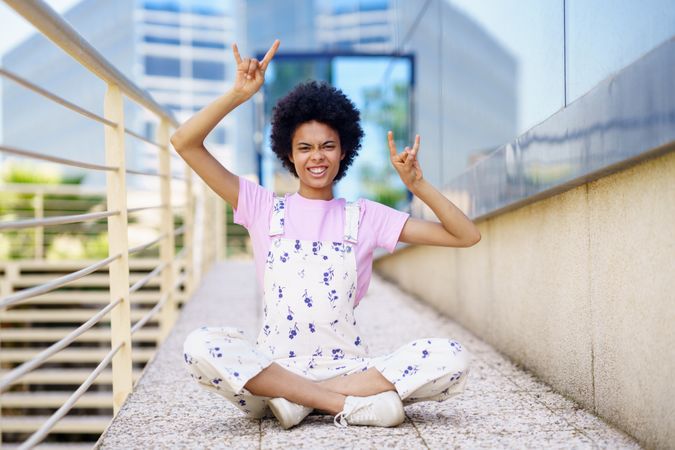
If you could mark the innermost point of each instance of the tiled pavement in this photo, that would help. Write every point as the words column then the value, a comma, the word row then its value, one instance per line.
column 502, row 407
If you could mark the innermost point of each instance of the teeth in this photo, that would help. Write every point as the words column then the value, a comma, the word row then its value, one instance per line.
column 317, row 170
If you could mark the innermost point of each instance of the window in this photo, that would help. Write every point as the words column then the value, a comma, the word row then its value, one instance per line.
column 161, row 40
column 208, row 70
column 207, row 44
column 168, row 67
column 217, row 136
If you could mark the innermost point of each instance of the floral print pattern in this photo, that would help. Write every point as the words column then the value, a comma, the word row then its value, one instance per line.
column 309, row 328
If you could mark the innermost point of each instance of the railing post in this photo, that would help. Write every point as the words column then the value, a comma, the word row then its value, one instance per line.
column 220, row 227
column 39, row 207
column 189, row 236
column 6, row 288
column 207, row 241
column 167, row 316
column 120, row 317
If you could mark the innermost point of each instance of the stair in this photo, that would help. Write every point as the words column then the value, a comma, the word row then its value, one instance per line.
column 69, row 424
column 35, row 334
column 65, row 377
column 63, row 316
column 72, row 355
column 35, row 324
column 93, row 298
column 55, row 399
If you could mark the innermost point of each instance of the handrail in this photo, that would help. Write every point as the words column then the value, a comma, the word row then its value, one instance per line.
column 40, row 434
column 70, row 162
column 41, row 357
column 49, row 23
column 53, row 26
column 58, row 220
column 55, row 159
column 26, row 294
column 57, row 99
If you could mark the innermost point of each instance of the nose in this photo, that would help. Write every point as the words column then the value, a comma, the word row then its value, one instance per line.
column 317, row 155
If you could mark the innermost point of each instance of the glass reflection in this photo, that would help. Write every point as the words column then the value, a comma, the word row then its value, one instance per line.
column 604, row 36
column 380, row 88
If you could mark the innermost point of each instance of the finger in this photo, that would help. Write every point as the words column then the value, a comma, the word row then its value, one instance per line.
column 392, row 145
column 269, row 55
column 416, row 145
column 237, row 56
column 409, row 161
column 247, row 65
column 252, row 68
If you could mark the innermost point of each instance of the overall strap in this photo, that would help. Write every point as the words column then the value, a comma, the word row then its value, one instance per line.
column 277, row 218
column 352, row 215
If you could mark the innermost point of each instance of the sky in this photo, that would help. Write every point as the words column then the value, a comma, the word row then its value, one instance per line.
column 15, row 29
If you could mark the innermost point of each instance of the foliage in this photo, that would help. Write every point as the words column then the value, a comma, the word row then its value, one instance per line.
column 380, row 187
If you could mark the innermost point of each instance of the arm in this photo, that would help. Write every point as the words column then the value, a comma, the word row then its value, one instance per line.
column 188, row 139
column 455, row 229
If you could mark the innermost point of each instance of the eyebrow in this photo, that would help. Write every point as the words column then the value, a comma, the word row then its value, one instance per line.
column 327, row 142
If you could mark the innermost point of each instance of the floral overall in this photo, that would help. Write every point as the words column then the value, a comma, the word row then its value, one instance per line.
column 310, row 329
column 309, row 294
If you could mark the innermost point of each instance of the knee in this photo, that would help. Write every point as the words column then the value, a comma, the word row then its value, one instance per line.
column 443, row 351
column 193, row 342
column 459, row 354
column 196, row 337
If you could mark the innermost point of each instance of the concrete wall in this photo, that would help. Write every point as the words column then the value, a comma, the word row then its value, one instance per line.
column 579, row 288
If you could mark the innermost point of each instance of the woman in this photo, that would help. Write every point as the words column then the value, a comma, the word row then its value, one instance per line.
column 314, row 259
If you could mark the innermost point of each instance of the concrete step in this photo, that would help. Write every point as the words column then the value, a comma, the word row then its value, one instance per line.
column 64, row 316
column 53, row 446
column 91, row 280
column 74, row 355
column 55, row 400
column 65, row 376
column 70, row 424
column 54, row 334
column 92, row 297
column 73, row 265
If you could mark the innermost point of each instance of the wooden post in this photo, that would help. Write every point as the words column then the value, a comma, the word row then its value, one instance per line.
column 189, row 238
column 207, row 241
column 220, row 225
column 39, row 207
column 120, row 317
column 167, row 316
column 6, row 288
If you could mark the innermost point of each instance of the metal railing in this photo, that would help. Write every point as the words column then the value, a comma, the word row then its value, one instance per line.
column 49, row 23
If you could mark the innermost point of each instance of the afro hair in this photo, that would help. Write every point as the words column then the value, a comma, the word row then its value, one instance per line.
column 314, row 101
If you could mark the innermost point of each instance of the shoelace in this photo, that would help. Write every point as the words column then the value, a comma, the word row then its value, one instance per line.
column 340, row 418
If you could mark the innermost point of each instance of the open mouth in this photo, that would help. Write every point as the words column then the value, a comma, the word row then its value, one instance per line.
column 318, row 172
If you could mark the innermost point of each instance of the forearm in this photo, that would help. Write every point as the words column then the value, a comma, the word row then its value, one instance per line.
column 194, row 131
column 452, row 218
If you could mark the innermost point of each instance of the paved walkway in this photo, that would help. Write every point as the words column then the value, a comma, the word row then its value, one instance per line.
column 502, row 407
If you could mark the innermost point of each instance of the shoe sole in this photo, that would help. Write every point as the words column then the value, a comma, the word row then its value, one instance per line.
column 278, row 410
column 394, row 401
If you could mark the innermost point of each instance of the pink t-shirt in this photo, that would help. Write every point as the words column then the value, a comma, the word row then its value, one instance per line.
column 317, row 220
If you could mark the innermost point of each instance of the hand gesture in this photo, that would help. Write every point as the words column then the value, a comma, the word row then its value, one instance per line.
column 406, row 163
column 250, row 72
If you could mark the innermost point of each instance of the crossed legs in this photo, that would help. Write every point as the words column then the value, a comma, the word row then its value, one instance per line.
column 327, row 395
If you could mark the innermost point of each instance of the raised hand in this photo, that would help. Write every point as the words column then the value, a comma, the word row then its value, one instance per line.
column 251, row 72
column 406, row 163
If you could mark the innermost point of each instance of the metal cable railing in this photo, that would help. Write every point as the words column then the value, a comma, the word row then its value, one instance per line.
column 63, row 35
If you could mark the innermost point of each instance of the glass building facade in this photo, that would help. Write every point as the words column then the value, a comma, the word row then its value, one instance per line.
column 179, row 51
column 491, row 87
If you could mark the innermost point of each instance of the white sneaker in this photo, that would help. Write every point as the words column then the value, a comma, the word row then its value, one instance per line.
column 288, row 413
column 381, row 410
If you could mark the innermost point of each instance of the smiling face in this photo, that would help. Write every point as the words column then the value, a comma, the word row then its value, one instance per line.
column 316, row 155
